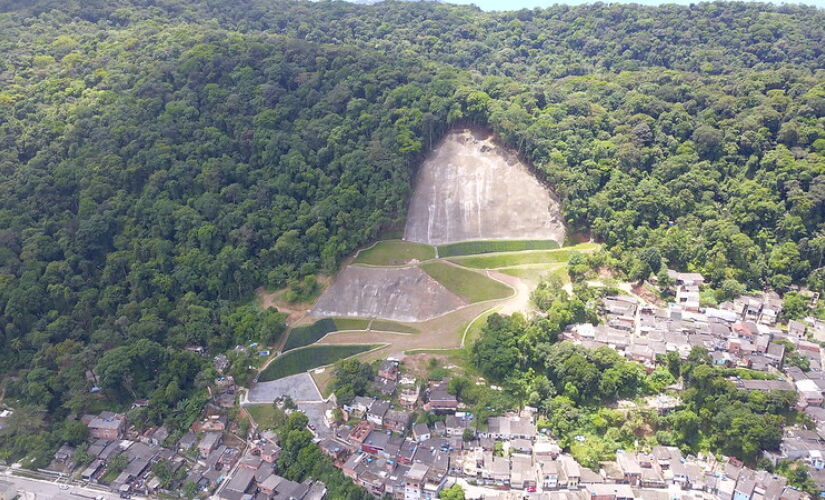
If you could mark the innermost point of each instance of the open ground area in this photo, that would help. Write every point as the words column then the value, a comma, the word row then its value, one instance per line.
column 471, row 188
column 299, row 387
column 400, row 294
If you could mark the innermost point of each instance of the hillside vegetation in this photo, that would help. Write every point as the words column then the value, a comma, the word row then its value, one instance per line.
column 161, row 160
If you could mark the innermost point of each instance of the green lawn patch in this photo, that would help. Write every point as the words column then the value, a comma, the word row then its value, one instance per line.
column 391, row 326
column 473, row 330
column 265, row 415
column 394, row 253
column 465, row 283
column 309, row 334
column 308, row 358
column 351, row 323
column 479, row 247
column 498, row 260
column 535, row 274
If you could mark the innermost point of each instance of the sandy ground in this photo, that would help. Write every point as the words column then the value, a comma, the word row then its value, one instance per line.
column 520, row 302
column 299, row 387
column 400, row 294
column 471, row 188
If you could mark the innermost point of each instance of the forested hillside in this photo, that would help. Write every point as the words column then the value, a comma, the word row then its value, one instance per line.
column 162, row 159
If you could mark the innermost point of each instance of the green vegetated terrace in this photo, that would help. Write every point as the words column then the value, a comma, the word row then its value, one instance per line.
column 510, row 259
column 536, row 273
column 383, row 325
column 471, row 285
column 305, row 335
column 394, row 253
column 479, row 247
column 308, row 358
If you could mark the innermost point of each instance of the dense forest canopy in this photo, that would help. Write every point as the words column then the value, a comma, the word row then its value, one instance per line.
column 161, row 159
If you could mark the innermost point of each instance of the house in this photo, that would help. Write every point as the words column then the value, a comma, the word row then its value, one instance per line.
column 360, row 432
column 187, row 441
column 455, row 426
column 510, row 427
column 240, row 483
column 333, row 449
column 91, row 471
column 629, row 465
column 796, row 329
column 108, row 425
column 744, row 489
column 549, row 472
column 421, row 432
column 600, row 491
column 270, row 452
column 388, row 370
column 545, row 448
column 764, row 385
column 522, row 474
column 776, row 353
column 385, row 386
column 377, row 412
column 65, row 454
column 408, row 398
column 209, row 442
column 212, row 423
column 159, row 436
column 359, row 406
column 397, row 420
column 221, row 363
column 439, row 400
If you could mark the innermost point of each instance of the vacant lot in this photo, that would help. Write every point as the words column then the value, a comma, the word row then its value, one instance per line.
column 478, row 247
column 394, row 253
column 470, row 285
column 400, row 294
column 471, row 188
column 299, row 387
column 307, row 358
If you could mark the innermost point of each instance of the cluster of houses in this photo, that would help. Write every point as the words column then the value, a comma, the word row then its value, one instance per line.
column 380, row 448
column 209, row 455
column 737, row 334
column 509, row 459
column 742, row 333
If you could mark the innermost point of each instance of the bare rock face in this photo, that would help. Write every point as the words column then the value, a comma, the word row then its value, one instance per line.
column 400, row 294
column 470, row 188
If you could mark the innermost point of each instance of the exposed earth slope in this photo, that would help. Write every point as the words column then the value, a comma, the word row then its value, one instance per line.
column 470, row 188
column 401, row 294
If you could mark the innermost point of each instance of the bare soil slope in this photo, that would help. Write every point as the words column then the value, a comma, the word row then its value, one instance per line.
column 400, row 294
column 471, row 188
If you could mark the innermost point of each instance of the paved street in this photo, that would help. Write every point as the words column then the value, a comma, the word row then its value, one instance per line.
column 36, row 489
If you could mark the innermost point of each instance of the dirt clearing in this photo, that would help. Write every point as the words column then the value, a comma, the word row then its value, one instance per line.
column 401, row 294
column 471, row 188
